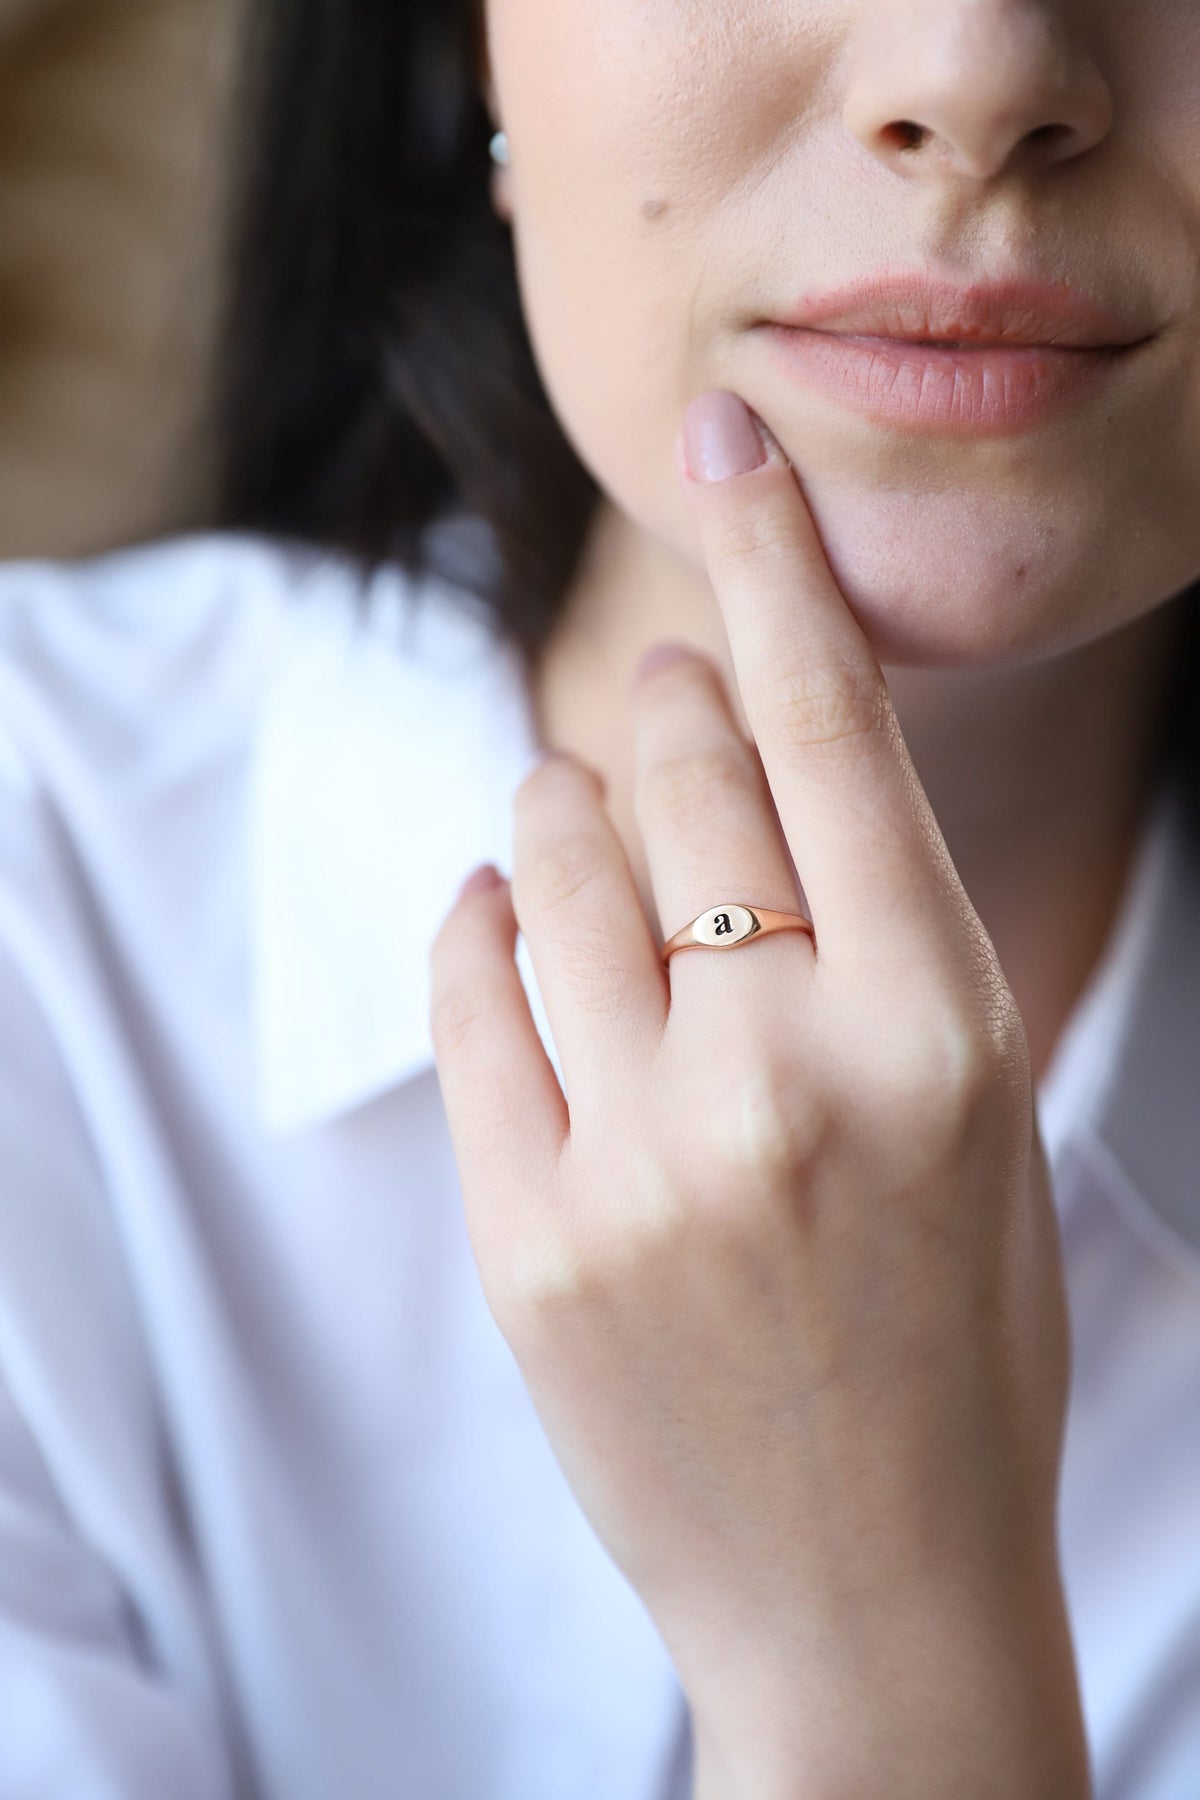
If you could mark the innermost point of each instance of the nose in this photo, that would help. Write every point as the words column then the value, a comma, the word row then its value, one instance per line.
column 973, row 89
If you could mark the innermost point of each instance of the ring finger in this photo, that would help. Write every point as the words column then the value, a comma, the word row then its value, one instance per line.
column 707, row 819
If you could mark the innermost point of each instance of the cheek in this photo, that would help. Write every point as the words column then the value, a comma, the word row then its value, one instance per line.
column 946, row 580
column 638, row 131
column 986, row 566
column 983, row 573
column 990, row 553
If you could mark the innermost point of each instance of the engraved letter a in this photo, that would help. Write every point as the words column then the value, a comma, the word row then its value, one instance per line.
column 722, row 925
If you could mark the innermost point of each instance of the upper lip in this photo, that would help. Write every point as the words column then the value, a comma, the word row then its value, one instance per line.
column 918, row 307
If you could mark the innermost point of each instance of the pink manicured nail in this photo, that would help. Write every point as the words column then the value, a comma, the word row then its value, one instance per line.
column 487, row 875
column 720, row 437
column 659, row 655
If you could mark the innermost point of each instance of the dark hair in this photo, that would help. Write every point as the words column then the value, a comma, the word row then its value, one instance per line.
column 377, row 375
column 377, row 378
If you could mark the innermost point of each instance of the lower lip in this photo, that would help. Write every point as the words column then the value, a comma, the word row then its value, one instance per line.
column 956, row 392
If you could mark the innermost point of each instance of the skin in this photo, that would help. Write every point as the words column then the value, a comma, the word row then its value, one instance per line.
column 112, row 121
column 1014, row 589
column 921, row 712
column 1015, row 599
column 784, row 1279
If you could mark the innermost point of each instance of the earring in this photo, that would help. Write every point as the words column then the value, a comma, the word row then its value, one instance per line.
column 499, row 149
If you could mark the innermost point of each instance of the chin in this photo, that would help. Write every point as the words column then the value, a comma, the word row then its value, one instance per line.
column 946, row 580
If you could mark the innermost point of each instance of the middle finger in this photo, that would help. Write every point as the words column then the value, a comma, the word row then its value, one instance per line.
column 706, row 816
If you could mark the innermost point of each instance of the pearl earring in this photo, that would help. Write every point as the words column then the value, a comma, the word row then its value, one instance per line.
column 499, row 149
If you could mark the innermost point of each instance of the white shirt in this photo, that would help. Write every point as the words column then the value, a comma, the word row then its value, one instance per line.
column 277, row 1518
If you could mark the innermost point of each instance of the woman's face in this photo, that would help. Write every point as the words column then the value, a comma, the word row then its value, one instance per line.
column 682, row 171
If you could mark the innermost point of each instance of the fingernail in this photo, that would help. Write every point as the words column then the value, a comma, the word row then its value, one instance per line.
column 659, row 655
column 487, row 875
column 721, row 437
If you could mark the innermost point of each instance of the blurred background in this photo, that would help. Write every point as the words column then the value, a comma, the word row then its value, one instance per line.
column 115, row 120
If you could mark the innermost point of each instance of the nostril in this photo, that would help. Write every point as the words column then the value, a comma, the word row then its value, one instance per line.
column 1048, row 134
column 906, row 134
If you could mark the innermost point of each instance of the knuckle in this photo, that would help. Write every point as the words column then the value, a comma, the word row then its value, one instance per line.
column 813, row 705
column 694, row 784
column 560, row 871
column 546, row 1276
column 951, row 1066
column 581, row 1266
column 544, row 1286
column 455, row 1014
column 767, row 1133
column 562, row 874
column 594, row 978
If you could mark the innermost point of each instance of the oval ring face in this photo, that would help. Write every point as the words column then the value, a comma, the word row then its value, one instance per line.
column 725, row 925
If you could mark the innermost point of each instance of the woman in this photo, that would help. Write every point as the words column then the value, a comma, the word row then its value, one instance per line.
column 810, row 1409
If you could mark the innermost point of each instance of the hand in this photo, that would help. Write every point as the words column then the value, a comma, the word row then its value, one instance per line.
column 784, row 1282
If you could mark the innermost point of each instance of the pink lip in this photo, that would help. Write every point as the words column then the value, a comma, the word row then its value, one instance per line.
column 1020, row 350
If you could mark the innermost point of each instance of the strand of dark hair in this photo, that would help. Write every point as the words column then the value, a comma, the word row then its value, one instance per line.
column 377, row 375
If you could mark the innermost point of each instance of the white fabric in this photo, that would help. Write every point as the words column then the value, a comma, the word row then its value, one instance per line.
column 277, row 1518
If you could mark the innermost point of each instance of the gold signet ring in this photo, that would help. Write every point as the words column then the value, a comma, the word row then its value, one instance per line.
column 732, row 923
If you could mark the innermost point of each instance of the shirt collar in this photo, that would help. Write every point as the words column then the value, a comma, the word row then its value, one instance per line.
column 1122, row 1087
column 387, row 751
column 392, row 735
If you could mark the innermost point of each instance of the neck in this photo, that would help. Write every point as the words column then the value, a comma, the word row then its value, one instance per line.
column 1040, row 776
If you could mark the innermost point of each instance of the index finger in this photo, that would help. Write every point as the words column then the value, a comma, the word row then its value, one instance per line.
column 862, row 833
